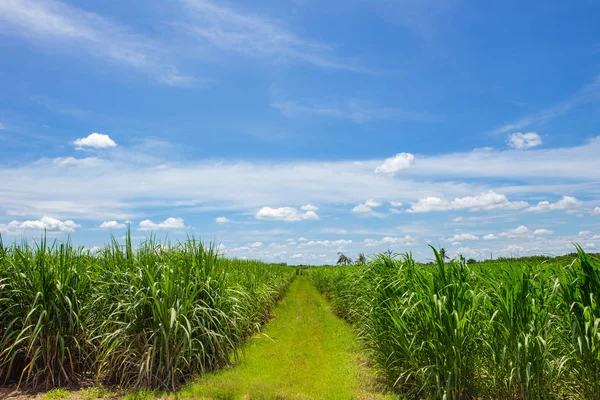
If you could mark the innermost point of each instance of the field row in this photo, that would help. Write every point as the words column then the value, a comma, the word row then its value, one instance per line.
column 525, row 328
column 152, row 316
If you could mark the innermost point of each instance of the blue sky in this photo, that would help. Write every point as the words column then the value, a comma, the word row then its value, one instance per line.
column 289, row 131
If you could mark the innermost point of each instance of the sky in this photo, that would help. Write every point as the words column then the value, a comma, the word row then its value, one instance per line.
column 289, row 131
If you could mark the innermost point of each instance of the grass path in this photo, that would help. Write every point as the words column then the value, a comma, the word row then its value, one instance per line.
column 306, row 352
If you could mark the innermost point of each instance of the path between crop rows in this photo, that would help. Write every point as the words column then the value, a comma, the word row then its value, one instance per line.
column 306, row 352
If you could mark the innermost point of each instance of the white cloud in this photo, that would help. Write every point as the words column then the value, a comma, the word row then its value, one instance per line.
column 309, row 207
column 50, row 224
column 513, row 250
column 95, row 140
column 349, row 109
column 566, row 202
column 241, row 248
column 394, row 164
column 390, row 241
column 233, row 30
column 169, row 223
column 596, row 211
column 222, row 220
column 518, row 232
column 66, row 161
column 256, row 244
column 367, row 208
column 524, row 140
column 287, row 214
column 485, row 201
column 111, row 225
column 326, row 243
column 310, row 215
column 115, row 188
column 583, row 95
column 396, row 203
column 490, row 236
column 74, row 30
column 462, row 237
column 540, row 232
column 372, row 203
column 572, row 163
column 277, row 246
column 589, row 235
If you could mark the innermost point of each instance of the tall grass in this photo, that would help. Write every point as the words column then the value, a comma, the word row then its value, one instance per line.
column 524, row 328
column 148, row 316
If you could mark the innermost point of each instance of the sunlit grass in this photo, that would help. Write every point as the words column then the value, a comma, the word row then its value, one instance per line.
column 151, row 316
column 304, row 353
column 525, row 328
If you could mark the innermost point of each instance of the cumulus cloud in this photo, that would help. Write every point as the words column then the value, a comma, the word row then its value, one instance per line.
column 95, row 140
column 517, row 232
column 50, row 224
column 485, row 201
column 367, row 207
column 111, row 225
column 309, row 207
column 326, row 243
column 169, row 223
column 513, row 249
column 394, row 164
column 390, row 241
column 463, row 236
column 222, row 220
column 589, row 235
column 287, row 214
column 524, row 140
column 256, row 244
column 596, row 211
column 566, row 202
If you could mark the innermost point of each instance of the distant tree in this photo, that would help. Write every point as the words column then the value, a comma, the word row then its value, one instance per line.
column 361, row 260
column 343, row 259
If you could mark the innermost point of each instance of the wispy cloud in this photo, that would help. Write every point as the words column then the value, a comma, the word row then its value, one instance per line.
column 424, row 18
column 587, row 93
column 243, row 32
column 47, row 22
column 113, row 185
column 349, row 109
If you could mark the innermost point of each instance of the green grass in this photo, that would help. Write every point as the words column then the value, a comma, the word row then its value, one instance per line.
column 57, row 394
column 511, row 328
column 306, row 352
column 93, row 393
column 152, row 316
